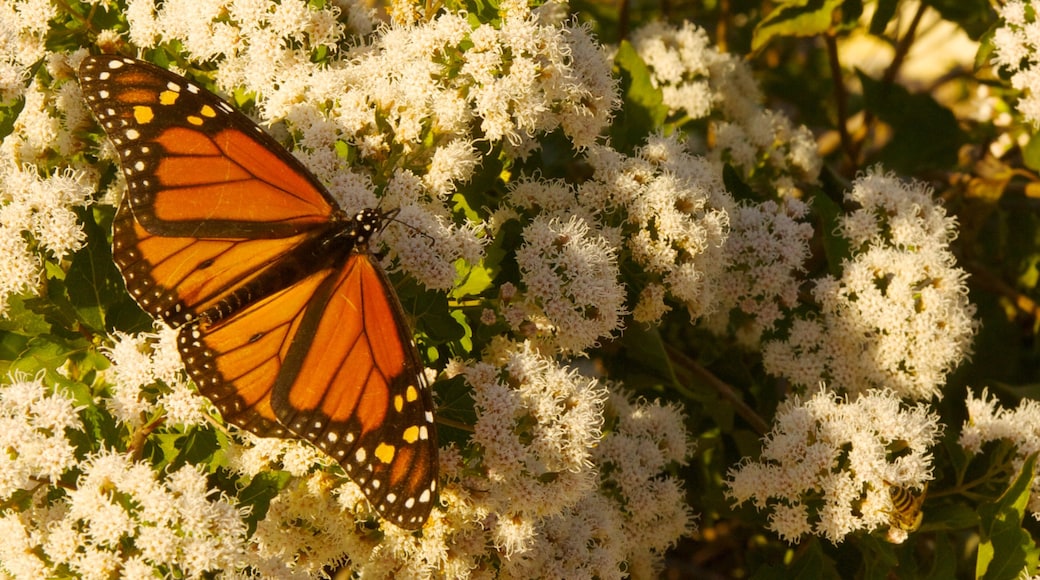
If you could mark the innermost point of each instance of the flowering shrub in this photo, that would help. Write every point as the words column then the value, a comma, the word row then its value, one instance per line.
column 676, row 297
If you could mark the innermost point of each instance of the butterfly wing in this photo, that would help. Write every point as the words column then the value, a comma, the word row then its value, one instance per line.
column 357, row 391
column 213, row 202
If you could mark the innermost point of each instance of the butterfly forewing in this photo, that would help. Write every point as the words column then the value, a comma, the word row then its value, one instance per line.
column 191, row 160
column 287, row 324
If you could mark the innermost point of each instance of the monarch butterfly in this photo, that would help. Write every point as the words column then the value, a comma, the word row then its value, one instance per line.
column 906, row 512
column 287, row 323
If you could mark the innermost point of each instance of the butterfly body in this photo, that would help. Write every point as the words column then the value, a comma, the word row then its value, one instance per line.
column 287, row 322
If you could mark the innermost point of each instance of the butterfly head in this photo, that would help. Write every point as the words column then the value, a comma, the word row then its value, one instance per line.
column 367, row 223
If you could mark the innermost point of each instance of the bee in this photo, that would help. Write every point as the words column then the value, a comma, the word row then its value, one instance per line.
column 906, row 512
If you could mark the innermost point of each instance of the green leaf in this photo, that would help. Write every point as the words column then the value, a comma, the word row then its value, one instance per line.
column 883, row 14
column 93, row 283
column 647, row 350
column 1007, row 550
column 925, row 134
column 475, row 280
column 835, row 247
column 19, row 318
column 259, row 493
column 1031, row 153
column 796, row 18
column 974, row 16
column 643, row 111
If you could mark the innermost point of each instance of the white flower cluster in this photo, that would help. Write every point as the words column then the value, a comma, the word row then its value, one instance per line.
column 700, row 82
column 33, row 420
column 571, row 280
column 116, row 516
column 37, row 222
column 827, row 465
column 899, row 316
column 767, row 249
column 675, row 214
column 1018, row 427
column 664, row 209
column 1015, row 47
column 768, row 242
column 24, row 26
column 147, row 373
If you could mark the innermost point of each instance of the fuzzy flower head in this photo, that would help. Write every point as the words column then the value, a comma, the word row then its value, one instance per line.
column 1018, row 427
column 120, row 511
column 537, row 422
column 147, row 373
column 678, row 59
column 828, row 465
column 767, row 250
column 570, row 278
column 899, row 316
column 697, row 82
column 33, row 423
column 37, row 223
column 25, row 28
column 559, row 495
column 676, row 217
column 645, row 440
column 1015, row 47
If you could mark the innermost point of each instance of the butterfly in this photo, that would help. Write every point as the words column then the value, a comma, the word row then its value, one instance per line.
column 286, row 320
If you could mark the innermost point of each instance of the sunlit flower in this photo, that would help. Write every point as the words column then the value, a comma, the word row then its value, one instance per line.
column 899, row 316
column 1018, row 427
column 827, row 465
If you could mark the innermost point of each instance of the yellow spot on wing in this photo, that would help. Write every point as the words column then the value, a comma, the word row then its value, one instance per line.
column 143, row 114
column 207, row 111
column 411, row 434
column 194, row 120
column 168, row 97
column 398, row 403
column 411, row 393
column 385, row 453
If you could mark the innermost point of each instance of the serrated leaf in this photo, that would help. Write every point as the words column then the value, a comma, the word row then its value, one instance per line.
column 93, row 283
column 259, row 493
column 883, row 14
column 646, row 348
column 973, row 16
column 834, row 246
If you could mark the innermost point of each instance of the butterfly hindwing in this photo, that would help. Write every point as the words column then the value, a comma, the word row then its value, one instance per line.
column 286, row 322
column 375, row 380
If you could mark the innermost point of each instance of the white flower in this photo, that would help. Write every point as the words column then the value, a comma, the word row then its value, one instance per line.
column 33, row 423
column 840, row 452
column 1019, row 427
column 570, row 277
column 899, row 316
